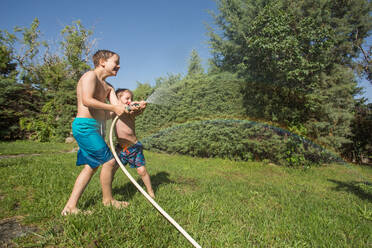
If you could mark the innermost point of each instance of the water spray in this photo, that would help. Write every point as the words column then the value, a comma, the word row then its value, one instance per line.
column 162, row 212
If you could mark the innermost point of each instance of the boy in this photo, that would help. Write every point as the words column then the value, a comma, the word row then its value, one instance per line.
column 92, row 92
column 130, row 149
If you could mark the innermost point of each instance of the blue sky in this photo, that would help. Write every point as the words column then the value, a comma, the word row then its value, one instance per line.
column 153, row 38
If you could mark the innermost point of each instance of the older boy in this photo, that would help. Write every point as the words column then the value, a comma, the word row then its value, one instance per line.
column 131, row 150
column 92, row 92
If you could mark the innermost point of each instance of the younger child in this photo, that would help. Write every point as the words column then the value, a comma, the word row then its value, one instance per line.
column 131, row 150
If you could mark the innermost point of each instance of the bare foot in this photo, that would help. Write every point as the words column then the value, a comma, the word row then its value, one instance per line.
column 67, row 211
column 117, row 204
column 152, row 195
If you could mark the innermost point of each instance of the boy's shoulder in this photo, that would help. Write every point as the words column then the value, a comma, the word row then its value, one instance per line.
column 109, row 85
column 89, row 75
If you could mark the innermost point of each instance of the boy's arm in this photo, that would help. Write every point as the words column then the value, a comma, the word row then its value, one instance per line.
column 112, row 96
column 88, row 87
column 113, row 100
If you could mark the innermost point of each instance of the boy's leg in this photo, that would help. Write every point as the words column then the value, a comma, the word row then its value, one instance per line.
column 107, row 176
column 146, row 180
column 80, row 184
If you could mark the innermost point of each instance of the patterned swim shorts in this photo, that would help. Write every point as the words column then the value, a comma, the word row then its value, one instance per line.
column 133, row 155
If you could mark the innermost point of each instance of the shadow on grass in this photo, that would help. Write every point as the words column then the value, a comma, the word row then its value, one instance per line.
column 360, row 189
column 128, row 190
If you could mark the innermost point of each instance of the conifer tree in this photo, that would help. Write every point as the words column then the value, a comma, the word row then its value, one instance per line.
column 195, row 66
column 295, row 57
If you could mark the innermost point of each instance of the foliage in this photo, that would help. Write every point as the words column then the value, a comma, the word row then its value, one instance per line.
column 16, row 99
column 285, row 50
column 238, row 140
column 364, row 64
column 77, row 48
column 142, row 92
column 192, row 98
column 361, row 146
column 45, row 87
column 195, row 66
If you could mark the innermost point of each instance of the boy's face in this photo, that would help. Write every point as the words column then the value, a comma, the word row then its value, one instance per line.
column 112, row 65
column 125, row 97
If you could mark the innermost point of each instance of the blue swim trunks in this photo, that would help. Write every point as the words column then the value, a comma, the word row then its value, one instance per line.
column 132, row 155
column 93, row 149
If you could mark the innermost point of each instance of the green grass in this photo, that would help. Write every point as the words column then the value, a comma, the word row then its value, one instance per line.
column 31, row 147
column 220, row 203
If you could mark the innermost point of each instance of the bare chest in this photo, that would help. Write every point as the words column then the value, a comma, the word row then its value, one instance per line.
column 102, row 91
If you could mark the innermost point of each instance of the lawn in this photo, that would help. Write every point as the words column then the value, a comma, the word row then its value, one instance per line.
column 220, row 203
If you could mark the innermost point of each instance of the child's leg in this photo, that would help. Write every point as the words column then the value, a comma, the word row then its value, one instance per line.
column 146, row 180
column 80, row 184
column 106, row 177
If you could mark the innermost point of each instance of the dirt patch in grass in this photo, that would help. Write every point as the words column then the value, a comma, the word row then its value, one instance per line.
column 187, row 185
column 11, row 228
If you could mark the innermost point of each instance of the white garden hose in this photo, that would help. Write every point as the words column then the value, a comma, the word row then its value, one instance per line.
column 170, row 219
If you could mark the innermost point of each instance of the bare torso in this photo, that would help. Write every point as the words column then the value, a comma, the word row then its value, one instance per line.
column 101, row 92
column 125, row 130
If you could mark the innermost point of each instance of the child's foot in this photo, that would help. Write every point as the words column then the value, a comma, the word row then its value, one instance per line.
column 117, row 204
column 152, row 195
column 68, row 211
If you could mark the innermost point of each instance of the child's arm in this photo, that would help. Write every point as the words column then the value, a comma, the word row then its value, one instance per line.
column 87, row 94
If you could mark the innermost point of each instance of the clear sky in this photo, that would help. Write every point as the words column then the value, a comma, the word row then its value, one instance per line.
column 153, row 38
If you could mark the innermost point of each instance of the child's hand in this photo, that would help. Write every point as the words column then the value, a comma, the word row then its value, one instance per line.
column 143, row 104
column 119, row 109
column 134, row 107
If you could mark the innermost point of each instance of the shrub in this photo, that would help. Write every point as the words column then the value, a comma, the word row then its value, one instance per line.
column 238, row 140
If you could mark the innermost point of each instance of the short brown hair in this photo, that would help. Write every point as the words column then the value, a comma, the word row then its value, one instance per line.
column 122, row 90
column 102, row 54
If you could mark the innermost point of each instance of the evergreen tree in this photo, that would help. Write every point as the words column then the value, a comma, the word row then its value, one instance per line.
column 143, row 91
column 361, row 146
column 295, row 57
column 195, row 66
column 364, row 64
column 9, row 95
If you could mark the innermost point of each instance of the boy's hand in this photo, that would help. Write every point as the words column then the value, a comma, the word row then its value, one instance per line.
column 119, row 109
column 139, row 105
column 142, row 104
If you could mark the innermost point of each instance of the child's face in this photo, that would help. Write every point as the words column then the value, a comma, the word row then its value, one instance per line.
column 112, row 64
column 125, row 97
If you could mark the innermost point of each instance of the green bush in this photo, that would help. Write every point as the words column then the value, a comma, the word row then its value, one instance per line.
column 238, row 140
column 197, row 97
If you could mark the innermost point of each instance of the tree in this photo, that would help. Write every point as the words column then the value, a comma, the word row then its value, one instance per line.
column 195, row 66
column 143, row 91
column 57, row 78
column 361, row 146
column 77, row 48
column 294, row 57
column 10, row 93
column 364, row 65
column 39, row 95
column 19, row 96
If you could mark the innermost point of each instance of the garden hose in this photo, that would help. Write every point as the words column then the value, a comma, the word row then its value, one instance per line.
column 162, row 212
